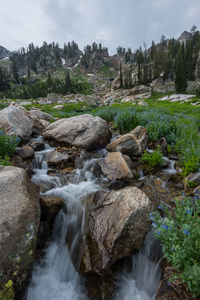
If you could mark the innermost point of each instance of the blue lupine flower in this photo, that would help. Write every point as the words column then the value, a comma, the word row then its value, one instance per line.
column 164, row 226
column 187, row 232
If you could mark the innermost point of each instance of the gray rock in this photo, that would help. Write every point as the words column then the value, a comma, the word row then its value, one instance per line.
column 19, row 222
column 41, row 115
column 84, row 131
column 58, row 107
column 17, row 120
column 119, row 223
column 56, row 158
column 114, row 166
column 25, row 152
column 131, row 144
column 37, row 145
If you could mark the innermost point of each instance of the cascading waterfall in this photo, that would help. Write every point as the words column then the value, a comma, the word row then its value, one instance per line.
column 55, row 277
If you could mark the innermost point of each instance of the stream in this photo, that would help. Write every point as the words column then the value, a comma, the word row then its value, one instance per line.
column 54, row 276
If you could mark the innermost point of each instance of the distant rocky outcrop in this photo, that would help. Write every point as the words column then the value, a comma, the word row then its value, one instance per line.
column 4, row 53
column 84, row 131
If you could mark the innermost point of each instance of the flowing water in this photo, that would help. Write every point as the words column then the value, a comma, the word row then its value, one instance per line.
column 55, row 277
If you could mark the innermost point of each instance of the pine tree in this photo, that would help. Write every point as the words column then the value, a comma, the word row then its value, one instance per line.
column 15, row 71
column 181, row 78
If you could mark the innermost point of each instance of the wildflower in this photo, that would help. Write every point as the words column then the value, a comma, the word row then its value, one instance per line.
column 164, row 226
column 160, row 207
column 173, row 249
column 154, row 224
column 187, row 232
column 189, row 211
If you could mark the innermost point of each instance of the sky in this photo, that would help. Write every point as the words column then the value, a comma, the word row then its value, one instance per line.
column 126, row 23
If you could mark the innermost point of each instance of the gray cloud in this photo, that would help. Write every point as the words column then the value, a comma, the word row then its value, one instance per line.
column 127, row 23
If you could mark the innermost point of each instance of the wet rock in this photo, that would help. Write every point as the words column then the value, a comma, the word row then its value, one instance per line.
column 119, row 223
column 131, row 144
column 37, row 145
column 114, row 166
column 163, row 144
column 84, row 131
column 56, row 159
column 20, row 217
column 25, row 152
column 50, row 206
column 25, row 164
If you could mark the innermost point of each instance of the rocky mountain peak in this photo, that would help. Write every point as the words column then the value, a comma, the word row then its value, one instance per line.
column 4, row 53
column 184, row 37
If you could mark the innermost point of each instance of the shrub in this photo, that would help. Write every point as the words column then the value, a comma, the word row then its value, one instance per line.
column 107, row 113
column 8, row 143
column 5, row 161
column 154, row 159
column 179, row 234
column 126, row 120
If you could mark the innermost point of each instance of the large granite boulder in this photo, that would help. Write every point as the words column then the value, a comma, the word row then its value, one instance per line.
column 17, row 120
column 41, row 115
column 84, row 131
column 116, row 166
column 119, row 223
column 19, row 222
column 131, row 144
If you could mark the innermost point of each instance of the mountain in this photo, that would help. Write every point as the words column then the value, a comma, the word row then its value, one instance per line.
column 4, row 53
column 168, row 65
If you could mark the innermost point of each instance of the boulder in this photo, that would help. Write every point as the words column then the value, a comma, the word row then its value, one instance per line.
column 119, row 223
column 41, row 115
column 37, row 145
column 45, row 123
column 131, row 144
column 50, row 206
column 84, row 131
column 17, row 120
column 25, row 152
column 58, row 107
column 19, row 222
column 115, row 167
column 53, row 98
column 56, row 158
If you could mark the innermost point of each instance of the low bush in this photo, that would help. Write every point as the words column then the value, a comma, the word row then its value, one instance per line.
column 8, row 143
column 154, row 159
column 179, row 234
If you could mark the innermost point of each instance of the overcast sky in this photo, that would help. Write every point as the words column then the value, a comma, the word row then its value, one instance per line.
column 126, row 23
